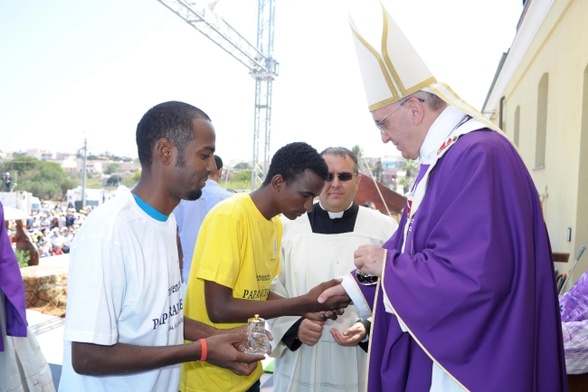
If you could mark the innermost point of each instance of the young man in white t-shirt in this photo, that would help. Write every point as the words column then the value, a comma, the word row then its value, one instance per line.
column 125, row 327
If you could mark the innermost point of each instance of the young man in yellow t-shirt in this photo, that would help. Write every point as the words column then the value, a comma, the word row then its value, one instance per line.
column 237, row 256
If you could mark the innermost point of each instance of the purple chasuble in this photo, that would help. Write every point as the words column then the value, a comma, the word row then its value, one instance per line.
column 12, row 286
column 476, row 286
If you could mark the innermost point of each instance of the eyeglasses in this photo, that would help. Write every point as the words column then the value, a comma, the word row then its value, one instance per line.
column 383, row 123
column 343, row 176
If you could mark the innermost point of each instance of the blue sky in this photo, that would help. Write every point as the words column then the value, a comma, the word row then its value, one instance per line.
column 76, row 69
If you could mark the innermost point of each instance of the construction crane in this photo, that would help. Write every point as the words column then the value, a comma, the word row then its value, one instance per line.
column 258, row 59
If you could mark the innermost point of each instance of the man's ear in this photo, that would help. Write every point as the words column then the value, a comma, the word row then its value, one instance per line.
column 417, row 110
column 278, row 182
column 164, row 150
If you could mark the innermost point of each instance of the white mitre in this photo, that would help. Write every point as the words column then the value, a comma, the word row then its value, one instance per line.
column 390, row 67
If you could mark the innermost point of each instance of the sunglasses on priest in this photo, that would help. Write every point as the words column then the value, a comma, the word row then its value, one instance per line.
column 342, row 176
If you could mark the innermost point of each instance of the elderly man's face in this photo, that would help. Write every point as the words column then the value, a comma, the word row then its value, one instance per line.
column 398, row 123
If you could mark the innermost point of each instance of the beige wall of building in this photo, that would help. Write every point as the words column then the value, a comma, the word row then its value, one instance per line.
column 540, row 96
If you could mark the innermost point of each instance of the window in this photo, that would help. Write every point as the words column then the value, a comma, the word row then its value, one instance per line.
column 517, row 126
column 541, row 135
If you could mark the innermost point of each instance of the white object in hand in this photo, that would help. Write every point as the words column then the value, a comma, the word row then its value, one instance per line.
column 257, row 341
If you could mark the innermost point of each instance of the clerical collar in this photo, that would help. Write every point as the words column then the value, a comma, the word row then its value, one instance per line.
column 439, row 131
column 335, row 215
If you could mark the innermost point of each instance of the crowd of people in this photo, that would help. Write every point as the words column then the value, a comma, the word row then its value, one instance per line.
column 49, row 231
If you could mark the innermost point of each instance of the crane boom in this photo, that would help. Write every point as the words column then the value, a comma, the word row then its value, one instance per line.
column 258, row 59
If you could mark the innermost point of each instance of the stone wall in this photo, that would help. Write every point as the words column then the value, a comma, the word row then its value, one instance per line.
column 46, row 285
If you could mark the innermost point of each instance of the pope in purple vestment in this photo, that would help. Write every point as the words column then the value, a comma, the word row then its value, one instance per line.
column 466, row 298
column 475, row 284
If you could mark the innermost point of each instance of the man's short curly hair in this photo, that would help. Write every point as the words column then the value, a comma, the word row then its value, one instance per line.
column 293, row 159
column 171, row 120
column 343, row 153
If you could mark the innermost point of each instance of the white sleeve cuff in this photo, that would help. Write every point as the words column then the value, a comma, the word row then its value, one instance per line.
column 362, row 308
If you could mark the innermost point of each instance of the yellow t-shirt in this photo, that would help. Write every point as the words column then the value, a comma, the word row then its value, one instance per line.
column 237, row 248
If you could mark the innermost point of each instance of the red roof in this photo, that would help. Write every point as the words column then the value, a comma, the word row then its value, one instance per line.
column 384, row 198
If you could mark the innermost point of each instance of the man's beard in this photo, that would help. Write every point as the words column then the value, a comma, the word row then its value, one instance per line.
column 194, row 194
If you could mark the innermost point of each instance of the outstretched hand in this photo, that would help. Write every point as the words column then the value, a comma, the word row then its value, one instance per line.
column 351, row 336
column 332, row 292
column 336, row 299
column 223, row 352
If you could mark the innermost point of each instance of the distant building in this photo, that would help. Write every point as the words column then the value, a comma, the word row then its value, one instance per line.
column 70, row 164
column 42, row 155
column 128, row 167
column 92, row 167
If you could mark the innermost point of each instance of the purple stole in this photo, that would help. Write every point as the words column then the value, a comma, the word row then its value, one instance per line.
column 12, row 286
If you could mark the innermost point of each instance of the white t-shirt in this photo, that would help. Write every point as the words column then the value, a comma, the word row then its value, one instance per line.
column 123, row 287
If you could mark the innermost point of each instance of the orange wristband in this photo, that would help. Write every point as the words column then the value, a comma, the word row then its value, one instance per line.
column 203, row 349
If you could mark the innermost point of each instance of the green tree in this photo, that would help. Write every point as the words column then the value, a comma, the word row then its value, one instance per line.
column 20, row 164
column 242, row 166
column 240, row 180
column 411, row 169
column 94, row 180
column 111, row 168
column 359, row 154
column 378, row 170
column 136, row 176
column 66, row 185
column 46, row 180
column 23, row 257
column 114, row 180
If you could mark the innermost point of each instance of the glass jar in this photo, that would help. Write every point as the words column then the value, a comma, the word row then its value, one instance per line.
column 257, row 341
